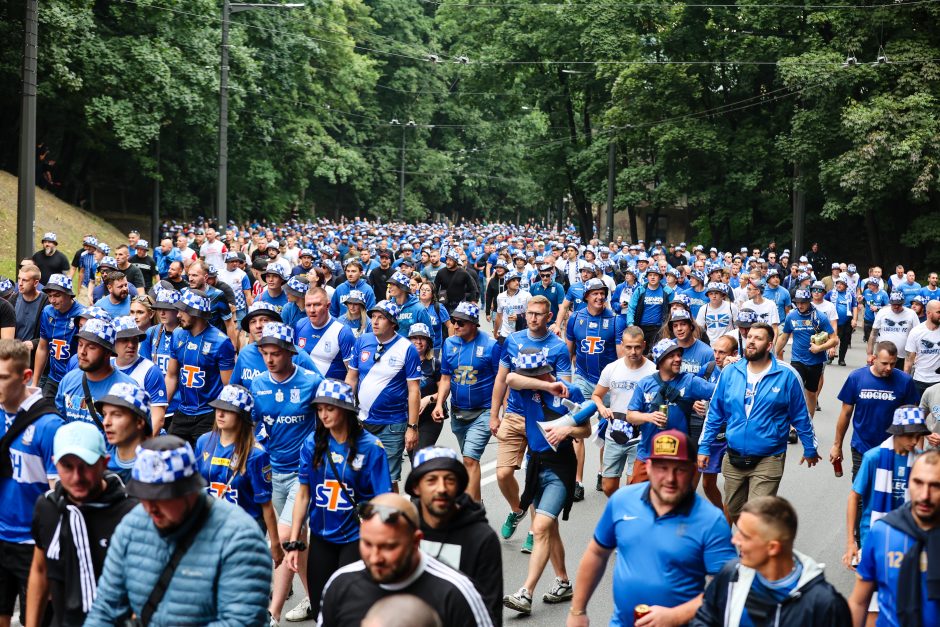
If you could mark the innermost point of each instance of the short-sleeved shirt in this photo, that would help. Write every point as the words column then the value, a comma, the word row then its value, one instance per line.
column 541, row 406
column 148, row 377
column 70, row 398
column 201, row 360
column 681, row 548
column 472, row 368
column 895, row 327
column 250, row 364
column 873, row 302
column 766, row 311
column 696, row 357
column 384, row 372
column 557, row 354
column 926, row 344
column 595, row 340
column 621, row 380
column 647, row 397
column 803, row 327
column 58, row 329
column 875, row 399
column 249, row 489
column 284, row 410
column 511, row 305
column 330, row 346
column 882, row 556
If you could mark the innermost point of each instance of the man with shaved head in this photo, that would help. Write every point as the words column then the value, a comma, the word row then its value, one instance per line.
column 390, row 546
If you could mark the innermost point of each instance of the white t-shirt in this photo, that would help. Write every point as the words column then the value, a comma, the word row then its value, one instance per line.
column 717, row 322
column 214, row 253
column 766, row 311
column 621, row 380
column 895, row 327
column 926, row 344
column 753, row 378
column 511, row 305
column 828, row 310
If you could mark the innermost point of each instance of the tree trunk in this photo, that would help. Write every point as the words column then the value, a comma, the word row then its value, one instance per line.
column 874, row 241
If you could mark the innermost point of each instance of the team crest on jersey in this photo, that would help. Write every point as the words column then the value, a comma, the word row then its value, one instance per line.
column 29, row 434
column 364, row 357
column 302, row 342
column 294, row 395
column 328, row 347
column 775, row 390
column 358, row 461
column 606, row 323
column 205, row 456
column 279, row 396
column 206, row 348
column 479, row 351
column 581, row 322
column 266, row 473
column 536, row 397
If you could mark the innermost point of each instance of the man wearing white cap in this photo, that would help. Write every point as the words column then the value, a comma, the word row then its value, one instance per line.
column 72, row 527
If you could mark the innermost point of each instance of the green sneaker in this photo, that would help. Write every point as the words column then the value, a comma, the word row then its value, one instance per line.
column 512, row 521
column 527, row 545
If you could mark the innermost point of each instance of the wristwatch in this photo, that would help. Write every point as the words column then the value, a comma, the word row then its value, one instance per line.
column 413, row 425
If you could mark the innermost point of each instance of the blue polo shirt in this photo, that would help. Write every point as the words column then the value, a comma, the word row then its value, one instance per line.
column 555, row 294
column 681, row 548
column 472, row 367
column 875, row 399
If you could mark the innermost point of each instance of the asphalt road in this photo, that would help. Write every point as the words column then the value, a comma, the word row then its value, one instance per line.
column 818, row 496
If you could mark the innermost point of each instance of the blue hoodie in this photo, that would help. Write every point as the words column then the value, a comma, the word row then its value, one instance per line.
column 412, row 312
column 778, row 401
column 338, row 302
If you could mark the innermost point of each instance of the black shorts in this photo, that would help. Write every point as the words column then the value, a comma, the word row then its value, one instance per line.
column 810, row 374
column 15, row 562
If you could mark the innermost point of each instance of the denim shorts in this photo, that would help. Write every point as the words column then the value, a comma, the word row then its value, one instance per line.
column 393, row 440
column 551, row 495
column 472, row 436
column 283, row 491
column 587, row 388
column 616, row 456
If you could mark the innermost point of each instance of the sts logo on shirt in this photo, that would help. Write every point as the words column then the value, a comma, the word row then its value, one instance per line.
column 592, row 345
column 223, row 491
column 330, row 496
column 193, row 376
column 60, row 349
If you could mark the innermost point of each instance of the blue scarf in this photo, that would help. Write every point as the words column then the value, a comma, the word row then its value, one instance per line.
column 884, row 480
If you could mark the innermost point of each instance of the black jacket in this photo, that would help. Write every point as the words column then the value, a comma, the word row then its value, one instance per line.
column 813, row 603
column 469, row 540
column 455, row 286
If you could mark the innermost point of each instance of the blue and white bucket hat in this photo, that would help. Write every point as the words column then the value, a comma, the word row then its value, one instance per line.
column 235, row 398
column 142, row 243
column 59, row 283
column 467, row 311
column 165, row 299
column 195, row 303
column 680, row 315
column 747, row 318
column 104, row 248
column 90, row 241
column 260, row 308
column 92, row 313
column 896, row 298
column 401, row 281
column 337, row 393
column 276, row 270
column 715, row 286
column 388, row 309
column 125, row 328
column 130, row 397
column 278, row 334
column 663, row 348
column 297, row 286
column 592, row 285
column 908, row 419
column 6, row 287
column 231, row 256
column 433, row 458
column 101, row 332
column 356, row 297
column 419, row 329
column 107, row 262
column 165, row 469
column 50, row 237
column 532, row 362
column 802, row 296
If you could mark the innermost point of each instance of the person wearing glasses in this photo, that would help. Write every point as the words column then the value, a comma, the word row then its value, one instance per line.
column 548, row 287
column 392, row 563
column 341, row 465
column 385, row 371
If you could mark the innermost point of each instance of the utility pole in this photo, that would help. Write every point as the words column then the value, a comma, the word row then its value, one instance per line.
column 799, row 212
column 401, row 179
column 26, row 192
column 155, row 205
column 611, row 183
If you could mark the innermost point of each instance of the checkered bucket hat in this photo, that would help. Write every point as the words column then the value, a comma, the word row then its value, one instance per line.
column 467, row 311
column 297, row 287
column 107, row 262
column 419, row 329
column 337, row 393
column 747, row 317
column 93, row 313
column 165, row 299
column 100, row 332
column 388, row 309
column 129, row 396
column 356, row 297
column 50, row 237
column 908, row 419
column 400, row 280
column 663, row 348
column 235, row 398
column 59, row 282
column 532, row 362
column 165, row 469
column 277, row 334
column 125, row 327
column 195, row 303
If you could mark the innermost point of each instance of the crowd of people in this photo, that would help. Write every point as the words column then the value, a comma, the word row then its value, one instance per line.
column 237, row 406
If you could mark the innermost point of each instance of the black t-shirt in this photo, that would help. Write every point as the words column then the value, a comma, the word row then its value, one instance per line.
column 57, row 263
column 352, row 592
column 7, row 315
column 378, row 278
column 147, row 267
column 100, row 519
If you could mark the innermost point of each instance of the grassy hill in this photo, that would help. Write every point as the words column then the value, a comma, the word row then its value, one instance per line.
column 69, row 223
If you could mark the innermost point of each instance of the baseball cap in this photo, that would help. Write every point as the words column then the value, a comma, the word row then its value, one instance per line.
column 671, row 445
column 81, row 439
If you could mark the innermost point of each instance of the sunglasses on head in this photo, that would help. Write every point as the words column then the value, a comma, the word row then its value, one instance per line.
column 388, row 514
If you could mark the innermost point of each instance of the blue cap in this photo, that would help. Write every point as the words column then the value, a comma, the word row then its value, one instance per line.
column 79, row 438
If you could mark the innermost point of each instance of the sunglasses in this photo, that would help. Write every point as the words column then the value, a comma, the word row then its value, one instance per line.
column 461, row 323
column 387, row 514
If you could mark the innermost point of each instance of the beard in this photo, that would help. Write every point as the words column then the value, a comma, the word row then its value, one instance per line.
column 756, row 354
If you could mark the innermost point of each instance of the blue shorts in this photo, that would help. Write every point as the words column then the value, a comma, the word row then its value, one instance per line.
column 393, row 440
column 551, row 495
column 587, row 388
column 283, row 491
column 716, row 453
column 616, row 456
column 473, row 435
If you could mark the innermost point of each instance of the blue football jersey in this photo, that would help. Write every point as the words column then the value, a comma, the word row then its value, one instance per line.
column 366, row 475
column 279, row 302
column 201, row 360
column 147, row 377
column 535, row 404
column 285, row 413
column 249, row 489
column 575, row 296
column 250, row 364
column 330, row 347
column 595, row 341
column 70, row 399
column 384, row 372
column 472, row 367
column 156, row 348
column 58, row 329
column 557, row 353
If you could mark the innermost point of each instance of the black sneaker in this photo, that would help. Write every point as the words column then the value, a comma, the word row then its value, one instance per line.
column 792, row 437
column 841, row 363
column 600, row 484
column 578, row 492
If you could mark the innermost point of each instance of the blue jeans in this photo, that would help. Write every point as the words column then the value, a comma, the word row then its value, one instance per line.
column 393, row 440
column 473, row 435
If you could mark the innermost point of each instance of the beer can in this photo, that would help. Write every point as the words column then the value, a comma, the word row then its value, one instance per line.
column 664, row 409
column 837, row 467
column 640, row 611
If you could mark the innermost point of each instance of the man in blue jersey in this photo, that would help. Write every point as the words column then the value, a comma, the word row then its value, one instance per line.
column 95, row 375
column 873, row 299
column 469, row 363
column 869, row 398
column 201, row 363
column 593, row 336
column 778, row 294
column 144, row 372
column 670, row 386
column 328, row 341
column 574, row 298
column 354, row 281
column 649, row 306
column 668, row 540
column 507, row 414
column 221, row 316
column 847, row 311
column 810, row 347
column 548, row 287
column 755, row 402
column 27, row 470
column 550, row 470
column 156, row 344
column 900, row 559
column 385, row 371
column 274, row 277
column 411, row 311
column 284, row 416
column 116, row 300
column 250, row 363
column 697, row 293
column 56, row 328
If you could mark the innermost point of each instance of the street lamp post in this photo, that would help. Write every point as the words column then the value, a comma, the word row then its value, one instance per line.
column 227, row 9
column 26, row 193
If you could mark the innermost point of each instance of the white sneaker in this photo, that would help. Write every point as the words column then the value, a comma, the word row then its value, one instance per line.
column 520, row 602
column 300, row 613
